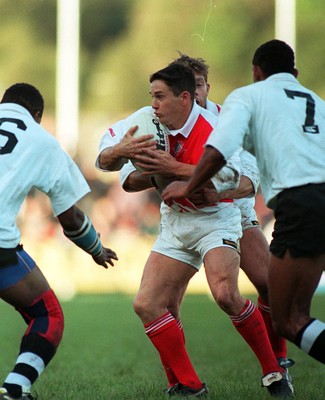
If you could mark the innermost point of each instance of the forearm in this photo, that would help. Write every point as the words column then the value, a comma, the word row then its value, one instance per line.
column 183, row 171
column 137, row 182
column 210, row 163
column 245, row 189
column 79, row 229
column 111, row 159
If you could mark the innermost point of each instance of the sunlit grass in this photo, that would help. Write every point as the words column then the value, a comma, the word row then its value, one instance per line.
column 106, row 355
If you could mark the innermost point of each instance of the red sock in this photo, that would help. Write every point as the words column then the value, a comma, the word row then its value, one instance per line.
column 166, row 336
column 180, row 324
column 250, row 324
column 171, row 377
column 278, row 343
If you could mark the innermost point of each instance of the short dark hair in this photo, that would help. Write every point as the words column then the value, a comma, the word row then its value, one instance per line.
column 275, row 56
column 178, row 77
column 198, row 65
column 26, row 96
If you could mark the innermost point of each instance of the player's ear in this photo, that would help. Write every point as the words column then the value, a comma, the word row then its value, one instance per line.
column 185, row 95
column 258, row 74
column 38, row 116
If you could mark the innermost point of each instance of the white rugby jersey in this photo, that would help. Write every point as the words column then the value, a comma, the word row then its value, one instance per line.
column 248, row 168
column 31, row 158
column 212, row 107
column 282, row 123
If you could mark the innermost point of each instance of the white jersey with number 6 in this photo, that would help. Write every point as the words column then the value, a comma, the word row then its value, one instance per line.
column 31, row 158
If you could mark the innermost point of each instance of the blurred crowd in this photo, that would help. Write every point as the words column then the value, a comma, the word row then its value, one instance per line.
column 128, row 223
column 110, row 208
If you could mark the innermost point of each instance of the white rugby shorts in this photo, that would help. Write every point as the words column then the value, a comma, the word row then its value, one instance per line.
column 248, row 213
column 188, row 236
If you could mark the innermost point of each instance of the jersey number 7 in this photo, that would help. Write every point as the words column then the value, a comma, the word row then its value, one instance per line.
column 309, row 126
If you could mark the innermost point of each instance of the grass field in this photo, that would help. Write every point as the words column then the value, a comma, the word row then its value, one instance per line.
column 106, row 355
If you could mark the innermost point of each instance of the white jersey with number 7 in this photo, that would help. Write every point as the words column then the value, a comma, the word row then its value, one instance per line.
column 283, row 124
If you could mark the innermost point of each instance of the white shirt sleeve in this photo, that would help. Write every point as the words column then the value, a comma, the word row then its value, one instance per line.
column 63, row 181
column 126, row 170
column 229, row 134
column 249, row 168
column 111, row 137
column 229, row 176
column 115, row 133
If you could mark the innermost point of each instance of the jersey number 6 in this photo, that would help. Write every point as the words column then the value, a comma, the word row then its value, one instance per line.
column 11, row 137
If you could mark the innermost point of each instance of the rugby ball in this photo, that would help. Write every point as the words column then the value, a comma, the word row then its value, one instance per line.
column 148, row 123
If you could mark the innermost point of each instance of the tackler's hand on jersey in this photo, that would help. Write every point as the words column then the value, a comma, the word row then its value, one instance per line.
column 206, row 196
column 175, row 190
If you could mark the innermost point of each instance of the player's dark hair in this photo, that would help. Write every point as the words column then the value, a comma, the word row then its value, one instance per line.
column 275, row 56
column 198, row 65
column 26, row 96
column 178, row 77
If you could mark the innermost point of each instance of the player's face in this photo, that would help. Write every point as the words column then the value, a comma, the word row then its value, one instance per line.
column 168, row 108
column 202, row 90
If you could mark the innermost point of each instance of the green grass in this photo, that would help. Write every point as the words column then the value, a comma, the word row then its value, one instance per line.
column 106, row 355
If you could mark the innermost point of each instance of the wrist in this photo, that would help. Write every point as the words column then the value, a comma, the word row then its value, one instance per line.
column 86, row 238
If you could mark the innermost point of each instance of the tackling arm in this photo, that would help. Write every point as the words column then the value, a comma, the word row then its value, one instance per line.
column 249, row 180
column 210, row 163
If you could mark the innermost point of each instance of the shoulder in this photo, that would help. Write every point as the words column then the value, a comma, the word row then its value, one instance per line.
column 119, row 128
column 213, row 107
column 208, row 115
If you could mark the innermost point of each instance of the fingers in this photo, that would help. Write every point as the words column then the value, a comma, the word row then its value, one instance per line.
column 132, row 130
column 110, row 253
column 173, row 191
column 106, row 258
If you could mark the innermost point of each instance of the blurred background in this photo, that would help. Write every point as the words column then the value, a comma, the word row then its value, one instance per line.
column 91, row 60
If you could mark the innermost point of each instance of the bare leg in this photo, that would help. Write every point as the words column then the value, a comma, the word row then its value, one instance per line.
column 292, row 284
column 25, row 291
column 254, row 260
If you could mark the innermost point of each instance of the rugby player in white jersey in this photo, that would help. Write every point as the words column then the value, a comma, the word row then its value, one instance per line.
column 283, row 124
column 190, row 237
column 254, row 252
column 32, row 158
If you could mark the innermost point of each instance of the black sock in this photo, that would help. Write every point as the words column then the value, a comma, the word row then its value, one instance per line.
column 13, row 390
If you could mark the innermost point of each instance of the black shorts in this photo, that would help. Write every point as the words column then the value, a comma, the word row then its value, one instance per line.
column 300, row 222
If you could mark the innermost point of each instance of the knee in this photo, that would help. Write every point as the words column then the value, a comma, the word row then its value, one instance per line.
column 138, row 306
column 148, row 308
column 45, row 318
column 144, row 308
column 230, row 302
